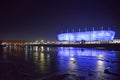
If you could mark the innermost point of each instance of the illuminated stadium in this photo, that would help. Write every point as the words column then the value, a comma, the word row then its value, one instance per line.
column 87, row 36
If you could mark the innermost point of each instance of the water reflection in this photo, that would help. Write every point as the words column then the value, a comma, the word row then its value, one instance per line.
column 44, row 61
column 85, row 60
column 66, row 52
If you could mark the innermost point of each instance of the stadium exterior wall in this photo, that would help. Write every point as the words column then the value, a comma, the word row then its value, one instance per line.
column 87, row 36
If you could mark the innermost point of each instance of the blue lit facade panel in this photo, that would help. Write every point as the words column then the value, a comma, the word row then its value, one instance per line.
column 89, row 35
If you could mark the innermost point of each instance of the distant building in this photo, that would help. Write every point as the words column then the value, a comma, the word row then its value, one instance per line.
column 87, row 36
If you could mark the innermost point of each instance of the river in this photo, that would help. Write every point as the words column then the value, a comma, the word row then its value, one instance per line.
column 58, row 63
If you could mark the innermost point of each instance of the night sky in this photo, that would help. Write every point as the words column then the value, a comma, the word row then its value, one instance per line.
column 44, row 19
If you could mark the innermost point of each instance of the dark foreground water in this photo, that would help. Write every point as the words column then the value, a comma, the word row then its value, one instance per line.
column 62, row 63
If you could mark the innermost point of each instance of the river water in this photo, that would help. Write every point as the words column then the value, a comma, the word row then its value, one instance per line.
column 58, row 63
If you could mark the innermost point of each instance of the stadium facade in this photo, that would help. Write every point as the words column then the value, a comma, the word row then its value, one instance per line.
column 87, row 36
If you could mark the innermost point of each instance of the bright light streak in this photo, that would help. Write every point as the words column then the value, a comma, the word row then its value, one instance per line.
column 36, row 48
column 100, row 62
column 72, row 59
column 48, row 48
column 42, row 48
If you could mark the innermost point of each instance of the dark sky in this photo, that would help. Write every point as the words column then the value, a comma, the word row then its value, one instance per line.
column 44, row 19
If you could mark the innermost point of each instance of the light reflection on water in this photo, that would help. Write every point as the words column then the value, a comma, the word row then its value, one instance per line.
column 42, row 61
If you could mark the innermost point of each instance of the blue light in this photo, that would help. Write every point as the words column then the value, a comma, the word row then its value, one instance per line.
column 77, row 52
column 89, row 35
